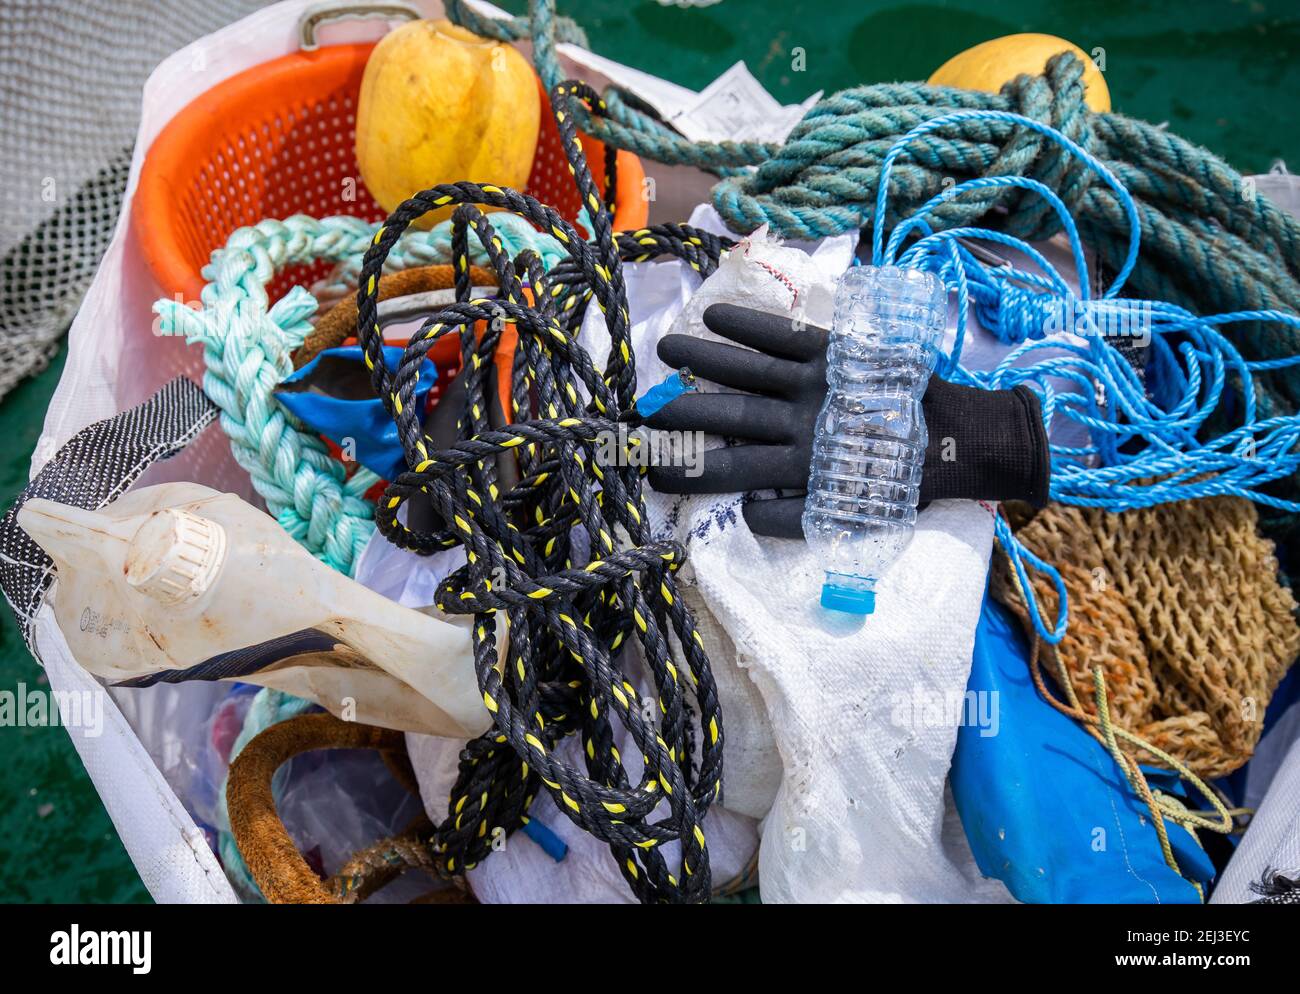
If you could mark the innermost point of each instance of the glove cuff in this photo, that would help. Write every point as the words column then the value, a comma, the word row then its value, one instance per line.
column 985, row 445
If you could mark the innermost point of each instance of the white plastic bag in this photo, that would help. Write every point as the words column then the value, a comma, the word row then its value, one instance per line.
column 115, row 361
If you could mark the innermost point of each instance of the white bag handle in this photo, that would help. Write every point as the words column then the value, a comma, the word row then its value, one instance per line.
column 327, row 13
column 95, row 467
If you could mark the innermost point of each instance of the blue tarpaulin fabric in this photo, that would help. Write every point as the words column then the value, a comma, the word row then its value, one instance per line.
column 1044, row 806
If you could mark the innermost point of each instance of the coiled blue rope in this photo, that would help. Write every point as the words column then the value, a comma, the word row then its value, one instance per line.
column 1146, row 446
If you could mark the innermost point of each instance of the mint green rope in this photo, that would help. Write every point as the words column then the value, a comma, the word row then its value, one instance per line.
column 248, row 345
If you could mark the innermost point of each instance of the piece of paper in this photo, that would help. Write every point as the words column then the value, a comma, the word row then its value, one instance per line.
column 736, row 107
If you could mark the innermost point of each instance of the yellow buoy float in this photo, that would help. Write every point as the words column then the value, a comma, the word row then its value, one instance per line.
column 439, row 104
column 989, row 65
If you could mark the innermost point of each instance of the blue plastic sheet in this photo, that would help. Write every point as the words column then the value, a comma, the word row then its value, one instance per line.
column 1044, row 806
column 319, row 397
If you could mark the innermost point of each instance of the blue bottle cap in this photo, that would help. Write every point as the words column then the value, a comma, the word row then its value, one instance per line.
column 848, row 599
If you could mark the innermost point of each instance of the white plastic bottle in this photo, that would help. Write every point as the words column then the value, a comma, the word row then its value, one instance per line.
column 177, row 576
column 870, row 440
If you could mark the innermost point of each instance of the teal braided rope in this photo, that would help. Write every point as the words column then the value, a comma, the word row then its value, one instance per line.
column 1208, row 246
column 433, row 247
column 248, row 346
column 267, row 708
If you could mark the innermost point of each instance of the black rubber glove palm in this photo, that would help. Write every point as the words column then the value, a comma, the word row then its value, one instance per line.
column 984, row 444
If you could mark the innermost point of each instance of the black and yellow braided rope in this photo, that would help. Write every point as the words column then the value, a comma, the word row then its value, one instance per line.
column 565, row 627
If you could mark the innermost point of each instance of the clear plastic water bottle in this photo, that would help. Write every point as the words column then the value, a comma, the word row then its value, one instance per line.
column 869, row 447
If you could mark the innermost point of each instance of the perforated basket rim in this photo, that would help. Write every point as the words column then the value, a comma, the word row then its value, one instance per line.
column 168, row 164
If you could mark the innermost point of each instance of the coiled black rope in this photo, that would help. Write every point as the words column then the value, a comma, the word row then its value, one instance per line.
column 556, row 664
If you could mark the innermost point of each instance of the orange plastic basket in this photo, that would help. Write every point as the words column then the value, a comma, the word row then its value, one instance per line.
column 277, row 140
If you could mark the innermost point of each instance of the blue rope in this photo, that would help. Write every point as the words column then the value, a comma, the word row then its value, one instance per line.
column 1146, row 448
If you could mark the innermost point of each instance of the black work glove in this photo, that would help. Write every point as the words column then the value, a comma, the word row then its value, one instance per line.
column 983, row 444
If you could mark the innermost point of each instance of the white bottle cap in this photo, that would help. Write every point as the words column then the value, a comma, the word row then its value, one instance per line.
column 175, row 556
